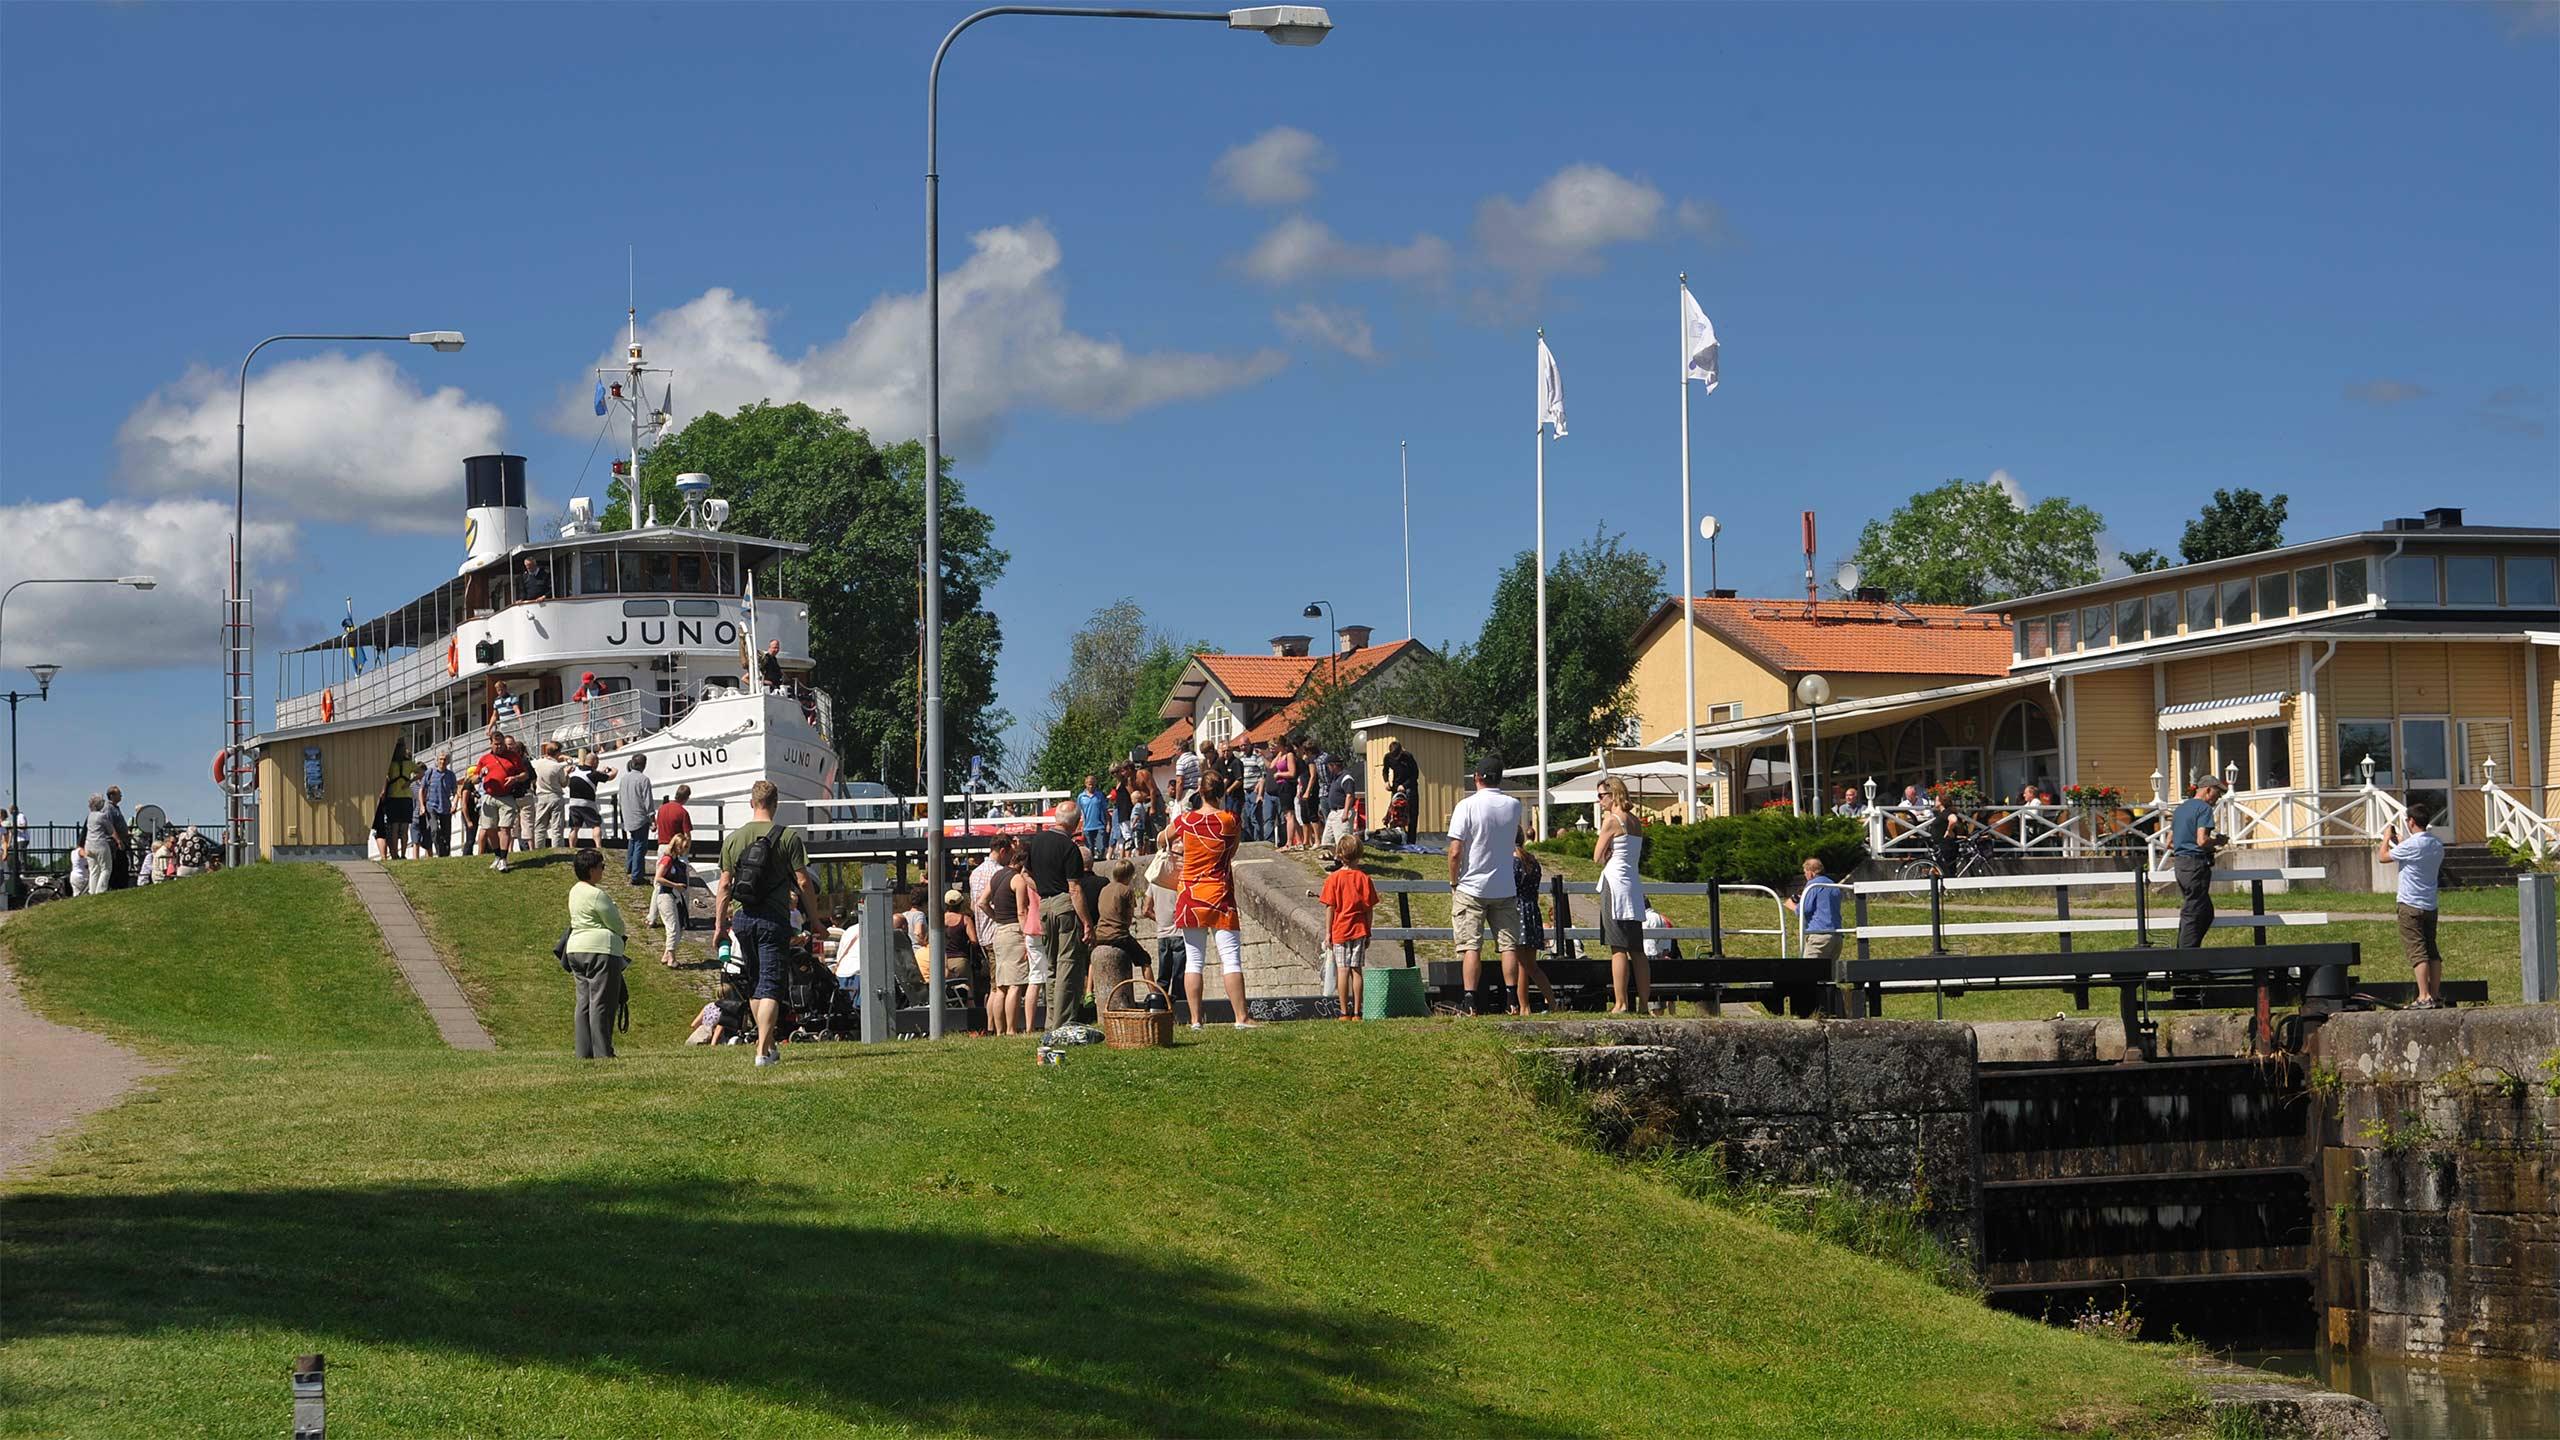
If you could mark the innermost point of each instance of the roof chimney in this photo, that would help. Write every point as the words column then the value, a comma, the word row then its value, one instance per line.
column 1291, row 647
column 2444, row 517
column 1349, row 638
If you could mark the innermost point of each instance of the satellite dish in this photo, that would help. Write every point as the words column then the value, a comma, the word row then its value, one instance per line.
column 1849, row 577
column 1707, row 527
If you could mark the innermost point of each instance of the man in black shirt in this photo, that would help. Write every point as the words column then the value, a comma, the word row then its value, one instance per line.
column 1055, row 863
column 1402, row 770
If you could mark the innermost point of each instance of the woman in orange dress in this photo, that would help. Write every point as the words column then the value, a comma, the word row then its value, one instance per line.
column 1204, row 904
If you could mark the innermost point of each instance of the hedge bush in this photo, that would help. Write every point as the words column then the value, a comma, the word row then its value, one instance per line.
column 1766, row 847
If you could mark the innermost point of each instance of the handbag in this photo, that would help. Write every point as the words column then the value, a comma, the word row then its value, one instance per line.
column 562, row 949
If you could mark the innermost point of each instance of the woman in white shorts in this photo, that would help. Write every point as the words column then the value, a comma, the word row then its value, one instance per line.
column 1205, row 900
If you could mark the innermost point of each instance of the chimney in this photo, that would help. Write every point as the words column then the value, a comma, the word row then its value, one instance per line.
column 1812, row 592
column 2444, row 517
column 1350, row 638
column 1291, row 647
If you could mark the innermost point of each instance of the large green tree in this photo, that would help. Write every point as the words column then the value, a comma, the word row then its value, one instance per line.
column 1118, row 673
column 791, row 472
column 2235, row 522
column 1598, row 594
column 1968, row 542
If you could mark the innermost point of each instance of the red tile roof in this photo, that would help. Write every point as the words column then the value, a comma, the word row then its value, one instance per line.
column 1859, row 637
column 1169, row 742
column 1279, row 677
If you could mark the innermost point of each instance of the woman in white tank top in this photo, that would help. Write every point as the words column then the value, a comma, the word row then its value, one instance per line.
column 1618, row 847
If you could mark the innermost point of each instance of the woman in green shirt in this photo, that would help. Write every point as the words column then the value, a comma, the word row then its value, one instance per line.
column 593, row 956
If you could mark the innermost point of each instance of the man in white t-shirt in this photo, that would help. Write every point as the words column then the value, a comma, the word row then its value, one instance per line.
column 1482, row 829
column 2420, row 856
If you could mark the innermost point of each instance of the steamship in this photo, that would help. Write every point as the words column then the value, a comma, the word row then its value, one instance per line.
column 638, row 641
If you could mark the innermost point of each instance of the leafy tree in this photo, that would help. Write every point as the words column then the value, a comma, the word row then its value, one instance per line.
column 1597, row 596
column 1118, row 673
column 1968, row 543
column 2235, row 522
column 2147, row 558
column 795, row 473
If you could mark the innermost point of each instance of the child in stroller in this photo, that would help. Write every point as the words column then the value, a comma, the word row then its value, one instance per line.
column 813, row 1008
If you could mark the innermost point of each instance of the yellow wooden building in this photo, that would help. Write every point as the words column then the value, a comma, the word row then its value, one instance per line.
column 318, row 784
column 1440, row 766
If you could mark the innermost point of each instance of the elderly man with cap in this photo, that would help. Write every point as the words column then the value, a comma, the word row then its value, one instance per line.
column 2192, row 842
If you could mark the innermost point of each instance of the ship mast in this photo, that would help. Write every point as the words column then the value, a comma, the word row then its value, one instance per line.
column 628, row 390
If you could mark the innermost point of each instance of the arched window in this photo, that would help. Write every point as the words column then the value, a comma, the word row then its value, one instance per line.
column 1219, row 725
column 1915, row 754
column 2023, row 749
column 1853, row 759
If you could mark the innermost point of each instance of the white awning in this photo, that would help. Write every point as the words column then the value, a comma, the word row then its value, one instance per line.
column 2205, row 714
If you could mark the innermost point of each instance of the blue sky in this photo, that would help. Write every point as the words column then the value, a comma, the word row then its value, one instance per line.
column 2125, row 254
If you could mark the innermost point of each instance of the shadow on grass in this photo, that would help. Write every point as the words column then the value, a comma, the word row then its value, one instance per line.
column 743, row 1286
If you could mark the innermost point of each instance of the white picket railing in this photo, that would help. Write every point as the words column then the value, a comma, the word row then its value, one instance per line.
column 2512, row 820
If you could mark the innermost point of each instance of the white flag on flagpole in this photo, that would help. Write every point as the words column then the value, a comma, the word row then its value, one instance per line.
column 1550, row 389
column 1698, row 342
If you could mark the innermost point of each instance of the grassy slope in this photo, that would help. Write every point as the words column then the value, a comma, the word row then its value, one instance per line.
column 1232, row 1237
column 277, row 957
column 2483, row 948
column 496, row 932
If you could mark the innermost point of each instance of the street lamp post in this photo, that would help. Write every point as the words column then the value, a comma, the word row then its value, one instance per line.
column 1295, row 25
column 1323, row 609
column 1814, row 692
column 18, row 817
column 239, row 673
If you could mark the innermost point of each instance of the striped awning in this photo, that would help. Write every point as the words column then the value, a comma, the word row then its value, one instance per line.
column 2206, row 714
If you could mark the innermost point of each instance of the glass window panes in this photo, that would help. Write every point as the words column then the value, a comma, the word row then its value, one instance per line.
column 2235, row 602
column 2129, row 622
column 2022, row 639
column 2350, row 586
column 2199, row 608
column 699, row 609
column 644, row 609
column 2275, row 758
column 2039, row 640
column 2409, row 579
column 2486, row 740
column 2311, row 588
column 595, row 572
column 2062, row 634
column 2470, row 580
column 2195, row 761
column 2164, row 616
column 2529, row 581
column 2275, row 596
column 2358, row 739
column 2097, row 626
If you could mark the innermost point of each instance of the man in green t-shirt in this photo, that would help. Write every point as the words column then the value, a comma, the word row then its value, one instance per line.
column 763, row 922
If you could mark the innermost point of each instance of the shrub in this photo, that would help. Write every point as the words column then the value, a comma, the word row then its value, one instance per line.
column 1764, row 848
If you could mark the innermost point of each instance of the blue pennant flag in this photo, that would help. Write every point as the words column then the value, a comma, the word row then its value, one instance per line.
column 599, row 397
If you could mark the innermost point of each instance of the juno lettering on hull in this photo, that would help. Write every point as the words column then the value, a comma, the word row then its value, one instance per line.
column 699, row 759
column 688, row 632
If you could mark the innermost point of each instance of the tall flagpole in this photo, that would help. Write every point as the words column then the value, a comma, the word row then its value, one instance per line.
column 1688, row 594
column 1539, row 827
column 1404, row 479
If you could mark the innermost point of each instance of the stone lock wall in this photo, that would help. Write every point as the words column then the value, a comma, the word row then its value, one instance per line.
column 1883, row 1107
column 2440, row 1181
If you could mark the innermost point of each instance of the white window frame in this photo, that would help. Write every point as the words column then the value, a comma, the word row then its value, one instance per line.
column 1220, row 725
column 2463, row 760
column 2351, row 777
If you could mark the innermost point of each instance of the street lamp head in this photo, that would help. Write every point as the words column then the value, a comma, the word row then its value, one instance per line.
column 44, row 678
column 1813, row 690
column 446, row 340
column 1314, row 610
column 138, row 582
column 1285, row 24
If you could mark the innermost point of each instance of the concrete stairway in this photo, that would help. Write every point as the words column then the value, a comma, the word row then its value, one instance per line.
column 2474, row 867
column 435, row 986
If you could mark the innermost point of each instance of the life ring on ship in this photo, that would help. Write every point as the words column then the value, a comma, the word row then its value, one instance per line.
column 452, row 656
column 328, row 707
column 222, row 770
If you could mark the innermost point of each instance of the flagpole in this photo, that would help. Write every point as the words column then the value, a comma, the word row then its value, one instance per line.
column 1539, row 826
column 1688, row 595
column 1404, row 480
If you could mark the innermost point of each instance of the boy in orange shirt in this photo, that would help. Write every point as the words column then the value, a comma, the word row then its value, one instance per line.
column 1348, row 897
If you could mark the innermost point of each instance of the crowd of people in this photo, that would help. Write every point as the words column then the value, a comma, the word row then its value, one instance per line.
column 106, row 853
column 509, row 801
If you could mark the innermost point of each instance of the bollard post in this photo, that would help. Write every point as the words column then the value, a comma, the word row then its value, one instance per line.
column 310, row 1397
column 2258, row 908
column 2142, row 902
column 1404, row 918
column 1715, row 919
column 2539, row 924
column 879, row 983
column 1938, row 924
column 1561, row 944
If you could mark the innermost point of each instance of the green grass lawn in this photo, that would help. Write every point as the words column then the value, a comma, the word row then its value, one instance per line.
column 495, row 933
column 1313, row 1228
column 279, row 958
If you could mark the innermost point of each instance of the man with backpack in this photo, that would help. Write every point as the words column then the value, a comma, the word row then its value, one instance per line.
column 762, row 865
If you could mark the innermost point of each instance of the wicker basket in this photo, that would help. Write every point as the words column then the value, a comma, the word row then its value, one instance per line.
column 1137, row 1029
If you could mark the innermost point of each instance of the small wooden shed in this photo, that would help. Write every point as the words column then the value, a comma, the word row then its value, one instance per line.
column 1440, row 759
column 317, row 784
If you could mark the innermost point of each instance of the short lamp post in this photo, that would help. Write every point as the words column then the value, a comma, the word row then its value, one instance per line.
column 1813, row 692
column 17, row 816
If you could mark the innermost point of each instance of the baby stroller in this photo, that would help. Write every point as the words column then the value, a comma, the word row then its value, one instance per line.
column 813, row 1008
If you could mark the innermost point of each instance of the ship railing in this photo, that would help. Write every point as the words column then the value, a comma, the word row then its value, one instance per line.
column 602, row 723
column 382, row 687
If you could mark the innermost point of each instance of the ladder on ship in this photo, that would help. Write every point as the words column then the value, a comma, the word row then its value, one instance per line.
column 239, row 788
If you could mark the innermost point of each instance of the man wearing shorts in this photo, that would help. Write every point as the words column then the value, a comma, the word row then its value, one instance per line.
column 763, row 922
column 1482, row 900
column 2420, row 856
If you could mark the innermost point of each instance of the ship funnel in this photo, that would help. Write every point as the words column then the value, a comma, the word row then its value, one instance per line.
column 494, row 520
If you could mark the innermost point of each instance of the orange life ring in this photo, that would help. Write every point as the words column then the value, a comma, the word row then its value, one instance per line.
column 452, row 656
column 328, row 707
column 222, row 766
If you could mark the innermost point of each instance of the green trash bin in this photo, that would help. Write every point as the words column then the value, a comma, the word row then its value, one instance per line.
column 1392, row 993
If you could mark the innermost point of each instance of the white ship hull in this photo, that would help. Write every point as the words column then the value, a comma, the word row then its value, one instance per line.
column 724, row 745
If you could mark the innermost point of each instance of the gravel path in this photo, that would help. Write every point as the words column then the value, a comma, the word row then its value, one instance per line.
column 53, row 1075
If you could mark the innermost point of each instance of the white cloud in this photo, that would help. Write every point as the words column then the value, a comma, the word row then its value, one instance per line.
column 2386, row 392
column 331, row 437
column 184, row 544
column 2010, row 487
column 1276, row 167
column 1702, row 218
column 1299, row 249
column 1566, row 222
column 1005, row 346
column 1341, row 327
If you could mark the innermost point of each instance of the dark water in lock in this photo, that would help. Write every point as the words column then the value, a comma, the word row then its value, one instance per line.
column 2422, row 1401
